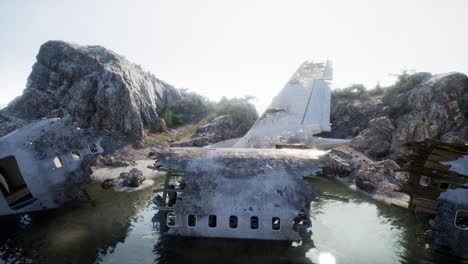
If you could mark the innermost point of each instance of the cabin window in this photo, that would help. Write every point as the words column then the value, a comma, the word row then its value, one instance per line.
column 192, row 220
column 212, row 221
column 275, row 223
column 424, row 181
column 444, row 186
column 12, row 184
column 461, row 219
column 58, row 162
column 93, row 148
column 171, row 219
column 254, row 222
column 233, row 221
column 75, row 155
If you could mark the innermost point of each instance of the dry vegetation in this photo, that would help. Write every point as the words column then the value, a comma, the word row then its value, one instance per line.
column 164, row 139
column 405, row 82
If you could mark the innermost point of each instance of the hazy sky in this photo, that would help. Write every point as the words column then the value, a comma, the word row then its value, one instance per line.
column 237, row 48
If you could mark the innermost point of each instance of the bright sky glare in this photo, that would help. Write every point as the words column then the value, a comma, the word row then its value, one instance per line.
column 242, row 47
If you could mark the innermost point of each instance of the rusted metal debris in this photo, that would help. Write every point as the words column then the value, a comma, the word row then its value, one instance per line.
column 429, row 176
column 438, row 187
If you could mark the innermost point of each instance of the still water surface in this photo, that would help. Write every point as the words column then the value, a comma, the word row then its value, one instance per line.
column 118, row 229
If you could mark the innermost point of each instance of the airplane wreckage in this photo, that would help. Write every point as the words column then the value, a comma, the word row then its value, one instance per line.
column 254, row 187
column 45, row 165
column 226, row 190
column 438, row 189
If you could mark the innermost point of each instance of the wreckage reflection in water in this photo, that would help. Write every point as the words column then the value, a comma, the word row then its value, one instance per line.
column 119, row 230
column 210, row 250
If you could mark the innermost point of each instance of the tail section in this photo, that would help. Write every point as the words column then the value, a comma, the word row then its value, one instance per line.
column 300, row 110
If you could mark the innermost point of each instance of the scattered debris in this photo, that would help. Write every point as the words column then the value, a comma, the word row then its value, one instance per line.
column 109, row 183
column 132, row 179
column 111, row 162
column 438, row 186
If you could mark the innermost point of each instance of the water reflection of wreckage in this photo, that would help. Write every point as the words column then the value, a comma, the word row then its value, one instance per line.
column 254, row 187
column 438, row 187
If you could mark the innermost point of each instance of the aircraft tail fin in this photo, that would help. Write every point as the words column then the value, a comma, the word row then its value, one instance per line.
column 300, row 110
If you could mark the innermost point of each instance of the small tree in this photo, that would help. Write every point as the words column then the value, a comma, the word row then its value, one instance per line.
column 172, row 119
column 378, row 90
column 355, row 91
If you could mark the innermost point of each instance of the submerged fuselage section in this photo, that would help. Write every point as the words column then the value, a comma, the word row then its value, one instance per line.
column 238, row 193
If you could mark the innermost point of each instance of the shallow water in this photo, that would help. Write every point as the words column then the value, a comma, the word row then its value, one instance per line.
column 118, row 229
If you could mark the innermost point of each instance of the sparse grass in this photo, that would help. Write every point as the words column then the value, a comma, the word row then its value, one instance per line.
column 164, row 139
column 161, row 140
column 405, row 82
column 357, row 92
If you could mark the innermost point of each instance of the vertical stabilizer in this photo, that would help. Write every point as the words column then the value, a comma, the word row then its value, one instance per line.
column 300, row 110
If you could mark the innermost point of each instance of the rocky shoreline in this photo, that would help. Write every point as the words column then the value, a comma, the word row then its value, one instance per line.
column 103, row 91
column 435, row 107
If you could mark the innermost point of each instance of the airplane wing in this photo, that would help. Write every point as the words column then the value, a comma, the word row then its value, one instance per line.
column 300, row 110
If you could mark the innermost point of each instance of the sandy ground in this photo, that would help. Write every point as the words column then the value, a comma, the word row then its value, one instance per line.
column 104, row 173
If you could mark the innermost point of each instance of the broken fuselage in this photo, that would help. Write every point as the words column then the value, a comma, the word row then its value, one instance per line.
column 45, row 165
column 238, row 193
column 253, row 187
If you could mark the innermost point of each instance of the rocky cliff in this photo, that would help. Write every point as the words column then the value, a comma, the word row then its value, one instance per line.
column 96, row 86
column 425, row 106
column 436, row 108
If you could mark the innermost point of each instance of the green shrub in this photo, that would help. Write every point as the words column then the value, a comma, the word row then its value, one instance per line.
column 378, row 90
column 407, row 81
column 243, row 112
column 172, row 119
column 355, row 91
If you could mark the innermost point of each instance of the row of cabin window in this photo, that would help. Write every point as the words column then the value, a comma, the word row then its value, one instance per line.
column 58, row 162
column 212, row 221
column 425, row 181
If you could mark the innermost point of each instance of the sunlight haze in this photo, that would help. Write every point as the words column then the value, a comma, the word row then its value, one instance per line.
column 237, row 48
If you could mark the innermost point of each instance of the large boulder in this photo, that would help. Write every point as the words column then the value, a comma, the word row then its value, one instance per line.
column 434, row 108
column 417, row 107
column 371, row 176
column 132, row 179
column 375, row 140
column 96, row 86
column 349, row 117
column 237, row 116
column 219, row 129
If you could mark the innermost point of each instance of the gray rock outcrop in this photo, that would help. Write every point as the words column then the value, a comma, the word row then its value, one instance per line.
column 423, row 106
column 219, row 129
column 96, row 86
column 133, row 179
column 434, row 107
column 235, row 124
column 349, row 117
column 375, row 140
column 381, row 177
